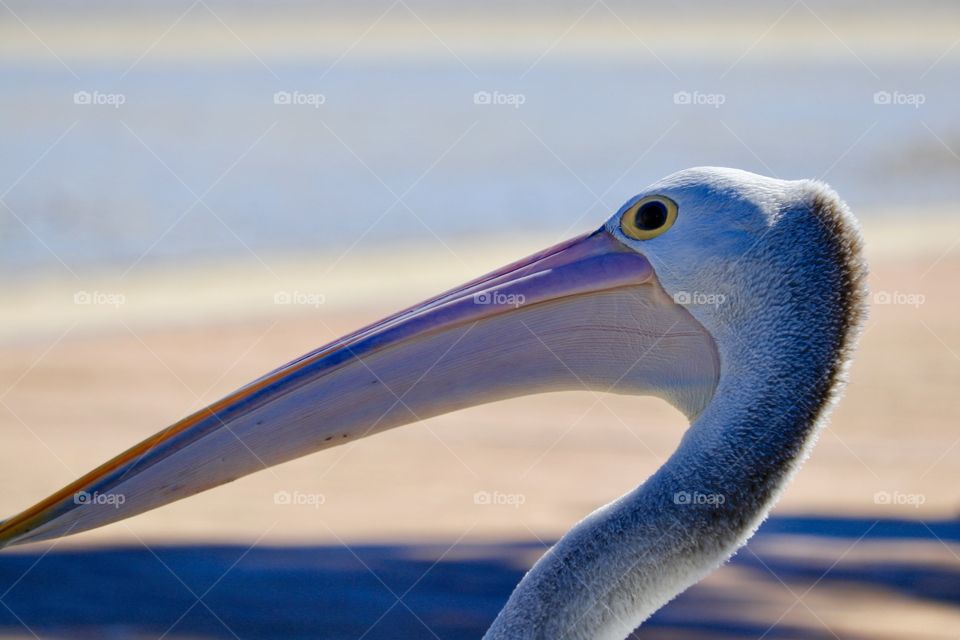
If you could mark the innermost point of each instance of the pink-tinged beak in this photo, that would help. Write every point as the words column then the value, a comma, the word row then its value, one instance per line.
column 586, row 313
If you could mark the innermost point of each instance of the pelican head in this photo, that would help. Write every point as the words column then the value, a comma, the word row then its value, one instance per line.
column 733, row 296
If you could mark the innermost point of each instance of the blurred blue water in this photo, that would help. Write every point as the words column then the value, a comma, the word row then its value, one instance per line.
column 422, row 591
column 122, row 183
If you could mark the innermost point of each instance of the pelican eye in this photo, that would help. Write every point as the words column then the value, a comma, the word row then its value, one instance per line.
column 649, row 217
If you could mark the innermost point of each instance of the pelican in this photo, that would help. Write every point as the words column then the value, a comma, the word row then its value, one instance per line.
column 737, row 298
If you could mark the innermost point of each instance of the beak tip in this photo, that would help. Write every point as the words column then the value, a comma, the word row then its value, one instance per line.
column 6, row 539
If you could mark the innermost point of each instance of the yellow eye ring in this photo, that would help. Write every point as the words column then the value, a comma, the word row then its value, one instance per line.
column 649, row 217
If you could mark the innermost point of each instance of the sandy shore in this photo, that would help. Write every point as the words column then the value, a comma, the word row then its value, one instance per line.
column 523, row 31
column 79, row 384
column 419, row 31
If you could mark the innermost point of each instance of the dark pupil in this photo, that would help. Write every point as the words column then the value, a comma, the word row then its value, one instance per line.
column 651, row 215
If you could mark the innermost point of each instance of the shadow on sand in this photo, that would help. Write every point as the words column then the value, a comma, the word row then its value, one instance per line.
column 399, row 592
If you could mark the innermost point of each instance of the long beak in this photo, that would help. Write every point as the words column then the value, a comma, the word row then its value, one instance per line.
column 587, row 313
